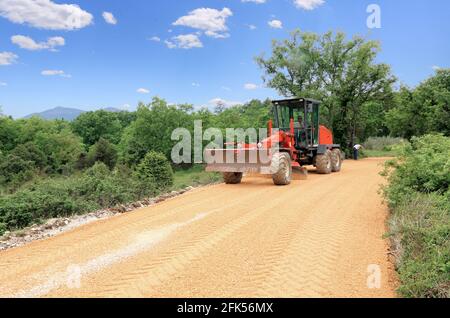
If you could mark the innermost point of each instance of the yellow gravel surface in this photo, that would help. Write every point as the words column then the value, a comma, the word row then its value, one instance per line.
column 320, row 237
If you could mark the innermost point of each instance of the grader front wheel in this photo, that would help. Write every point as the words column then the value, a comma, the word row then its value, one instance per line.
column 232, row 177
column 336, row 160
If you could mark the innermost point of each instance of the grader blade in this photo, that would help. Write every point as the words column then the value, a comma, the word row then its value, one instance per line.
column 238, row 161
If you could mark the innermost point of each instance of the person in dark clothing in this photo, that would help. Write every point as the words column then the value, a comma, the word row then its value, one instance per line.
column 301, row 133
column 356, row 149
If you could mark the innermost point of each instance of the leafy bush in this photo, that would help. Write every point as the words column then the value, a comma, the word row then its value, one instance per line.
column 47, row 199
column 419, row 197
column 29, row 152
column 103, row 187
column 3, row 228
column 62, row 149
column 15, row 171
column 424, row 166
column 155, row 169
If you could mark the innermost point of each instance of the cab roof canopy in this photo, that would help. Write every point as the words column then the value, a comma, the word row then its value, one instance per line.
column 295, row 101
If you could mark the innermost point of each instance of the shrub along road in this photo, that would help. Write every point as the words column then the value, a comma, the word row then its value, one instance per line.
column 321, row 237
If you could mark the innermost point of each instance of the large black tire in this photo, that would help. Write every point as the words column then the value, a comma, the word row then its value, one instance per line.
column 281, row 169
column 232, row 177
column 336, row 160
column 323, row 163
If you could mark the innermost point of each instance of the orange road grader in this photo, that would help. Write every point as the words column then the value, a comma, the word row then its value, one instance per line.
column 295, row 139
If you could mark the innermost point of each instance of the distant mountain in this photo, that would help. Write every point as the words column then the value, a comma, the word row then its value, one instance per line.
column 58, row 113
column 65, row 113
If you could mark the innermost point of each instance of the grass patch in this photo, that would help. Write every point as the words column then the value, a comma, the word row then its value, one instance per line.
column 194, row 176
column 382, row 147
column 379, row 153
column 382, row 143
column 420, row 236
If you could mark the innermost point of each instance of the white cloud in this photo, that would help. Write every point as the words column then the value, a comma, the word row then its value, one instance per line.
column 252, row 27
column 109, row 18
column 7, row 58
column 196, row 84
column 216, row 35
column 28, row 43
column 308, row 4
column 223, row 102
column 155, row 39
column 184, row 41
column 126, row 106
column 3, row 84
column 436, row 68
column 276, row 24
column 255, row 1
column 55, row 73
column 45, row 14
column 211, row 21
column 251, row 86
column 143, row 91
column 170, row 44
column 226, row 88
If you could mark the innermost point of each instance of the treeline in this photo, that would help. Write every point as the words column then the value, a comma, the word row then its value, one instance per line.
column 422, row 110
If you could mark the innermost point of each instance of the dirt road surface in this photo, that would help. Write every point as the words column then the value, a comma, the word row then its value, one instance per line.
column 321, row 237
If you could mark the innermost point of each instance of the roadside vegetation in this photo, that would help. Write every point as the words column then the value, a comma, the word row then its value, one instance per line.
column 58, row 168
column 419, row 197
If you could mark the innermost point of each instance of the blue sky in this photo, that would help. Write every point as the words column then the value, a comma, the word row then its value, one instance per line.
column 89, row 63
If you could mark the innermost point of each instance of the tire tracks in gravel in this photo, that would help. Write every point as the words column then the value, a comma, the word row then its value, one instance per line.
column 314, row 238
column 144, row 280
column 53, row 277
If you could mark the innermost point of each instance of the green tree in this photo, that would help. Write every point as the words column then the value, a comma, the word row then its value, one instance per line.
column 341, row 73
column 103, row 151
column 31, row 153
column 10, row 132
column 155, row 169
column 153, row 129
column 15, row 171
column 425, row 109
column 32, row 127
column 92, row 126
column 63, row 149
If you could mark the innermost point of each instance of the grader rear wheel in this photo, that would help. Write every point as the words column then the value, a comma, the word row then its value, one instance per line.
column 324, row 163
column 336, row 160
